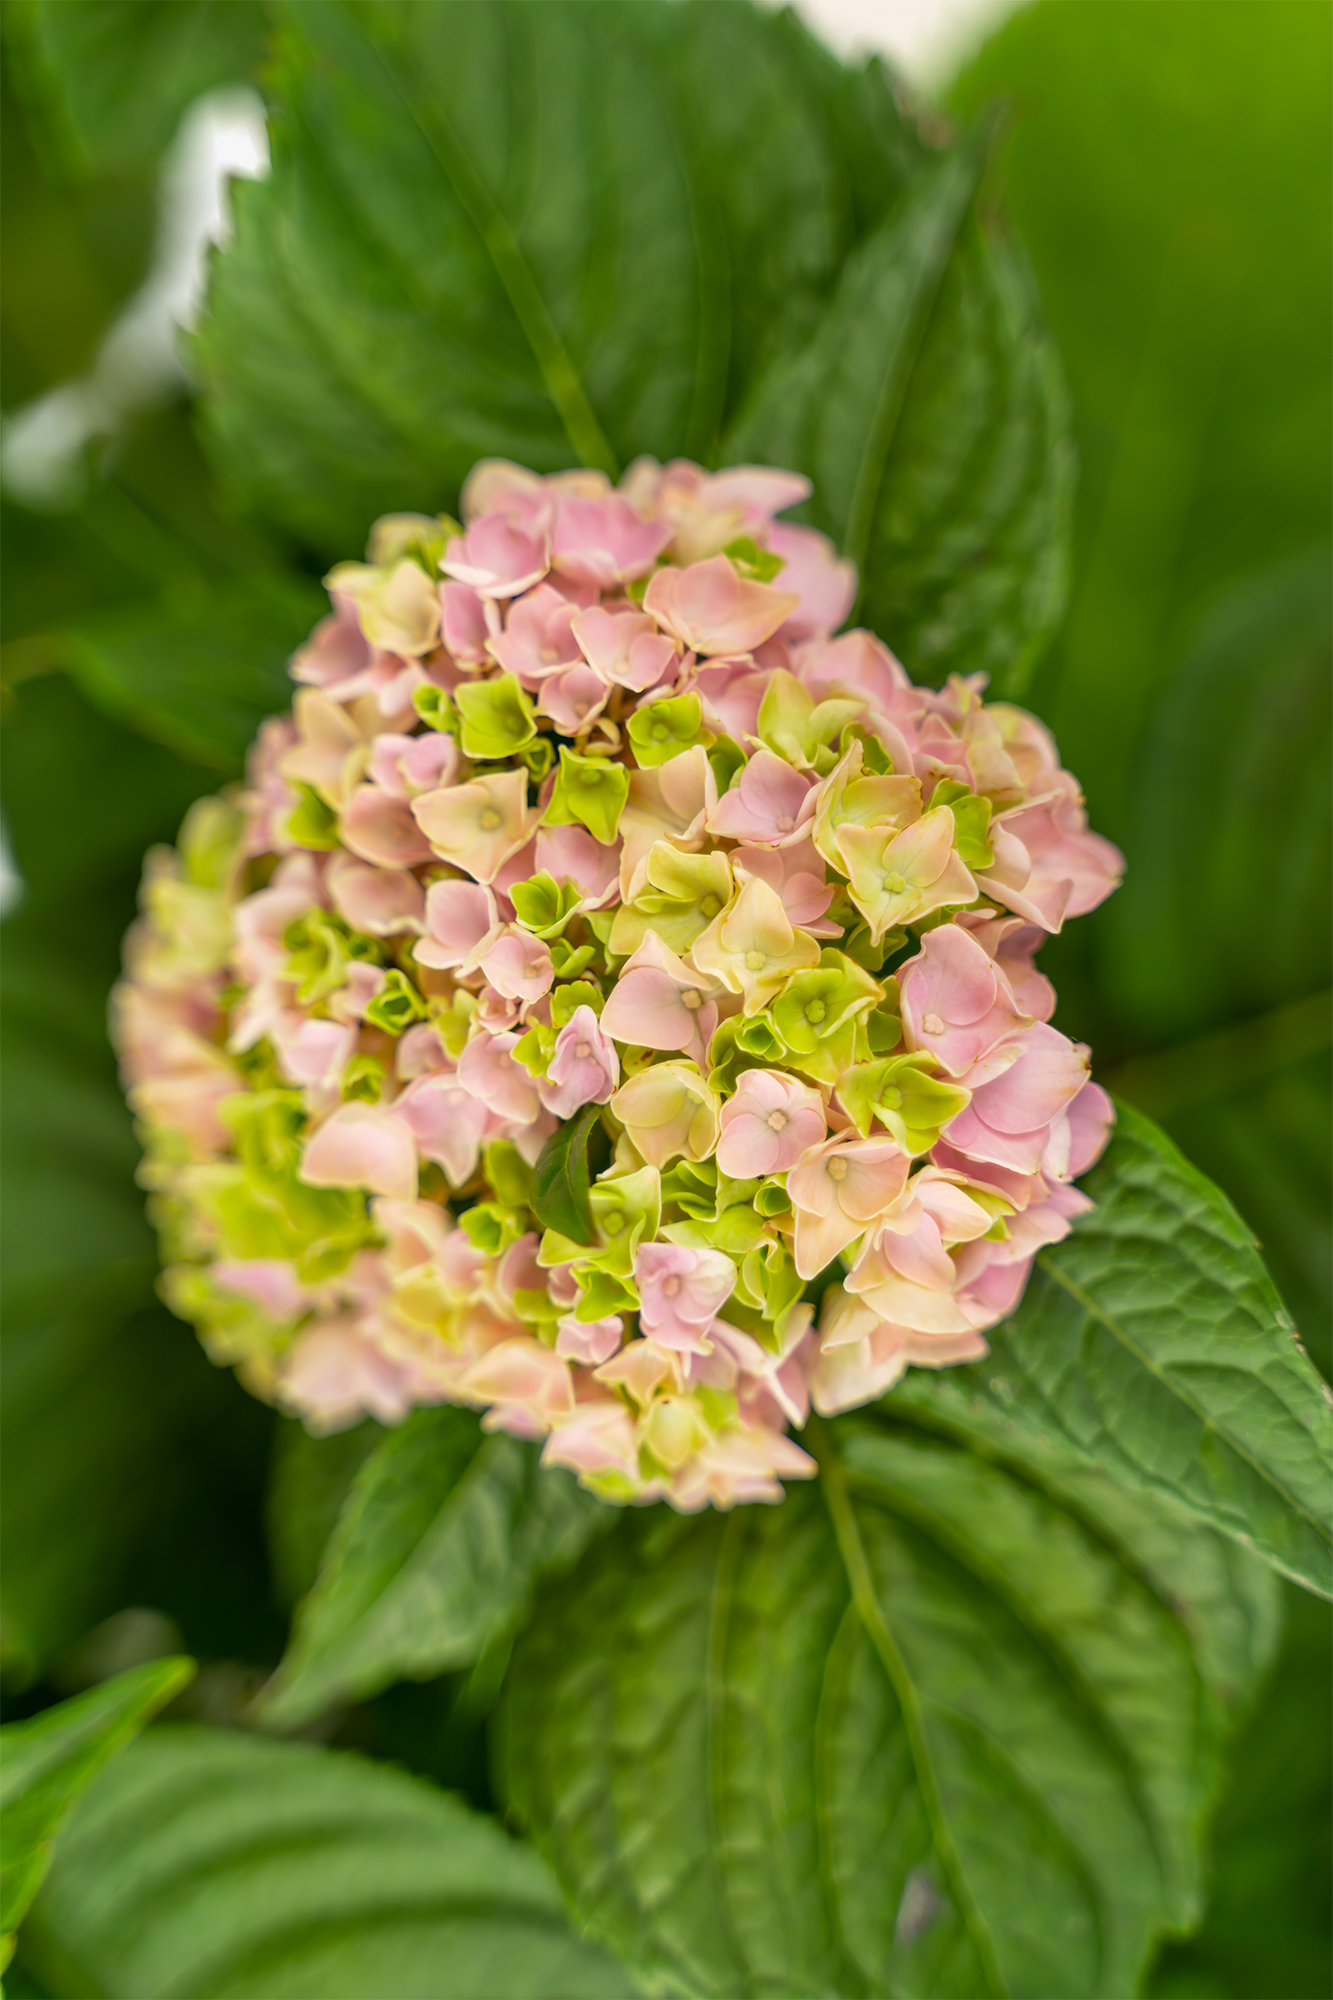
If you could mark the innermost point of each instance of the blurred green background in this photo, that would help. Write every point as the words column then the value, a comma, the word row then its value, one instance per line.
column 1167, row 168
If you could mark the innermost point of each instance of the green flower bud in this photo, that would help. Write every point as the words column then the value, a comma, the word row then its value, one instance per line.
column 770, row 1282
column 971, row 815
column 538, row 757
column 626, row 1211
column 566, row 1000
column 208, row 842
column 684, row 894
column 771, row 1197
column 818, row 1011
column 451, row 1021
column 875, row 759
column 728, row 761
column 419, row 537
column 435, row 707
column 750, row 560
column 313, row 823
column 491, row 1227
column 497, row 717
column 321, row 946
column 508, row 1173
column 397, row 1004
column 901, row 1094
column 602, row 1293
column 794, row 725
column 363, row 1079
column 535, row 1048
column 591, row 792
column 690, row 1186
column 543, row 905
column 567, row 960
column 664, row 728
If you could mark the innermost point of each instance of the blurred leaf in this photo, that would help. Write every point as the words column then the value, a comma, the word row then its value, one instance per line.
column 1232, row 807
column 545, row 231
column 126, row 1455
column 46, row 1765
column 202, row 677
column 208, row 1861
column 1152, row 1344
column 70, row 254
column 945, row 1726
column 1167, row 173
column 1168, row 178
column 929, row 412
column 115, row 76
column 1268, row 1932
column 441, row 1538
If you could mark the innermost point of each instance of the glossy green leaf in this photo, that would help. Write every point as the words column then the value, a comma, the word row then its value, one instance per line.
column 309, row 1478
column 929, row 412
column 438, row 1545
column 1152, row 1343
column 208, row 1861
column 560, row 1182
column 46, row 1765
column 1266, row 1142
column 115, row 76
column 945, row 1727
column 553, row 231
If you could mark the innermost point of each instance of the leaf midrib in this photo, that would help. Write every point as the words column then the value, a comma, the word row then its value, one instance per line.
column 563, row 383
column 861, row 1583
column 891, row 399
column 1046, row 1638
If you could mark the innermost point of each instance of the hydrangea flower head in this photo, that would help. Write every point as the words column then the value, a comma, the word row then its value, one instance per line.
column 602, row 964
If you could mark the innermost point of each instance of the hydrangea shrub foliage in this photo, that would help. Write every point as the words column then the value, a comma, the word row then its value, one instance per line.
column 611, row 1001
column 597, row 1084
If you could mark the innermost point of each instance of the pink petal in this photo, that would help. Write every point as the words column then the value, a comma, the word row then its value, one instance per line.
column 362, row 1146
column 711, row 609
column 381, row 828
column 605, row 542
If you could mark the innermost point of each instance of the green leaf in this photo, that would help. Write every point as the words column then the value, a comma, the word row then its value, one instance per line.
column 433, row 1559
column 1152, row 1343
column 1231, row 801
column 199, row 677
column 550, row 231
column 1165, row 183
column 309, row 1478
column 945, row 1727
column 928, row 410
column 208, row 1861
column 46, row 1765
column 560, row 1182
column 117, row 75
column 1270, row 1902
column 1266, row 1142
column 125, row 1454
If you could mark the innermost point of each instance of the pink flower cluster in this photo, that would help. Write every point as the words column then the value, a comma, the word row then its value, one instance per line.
column 611, row 1002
